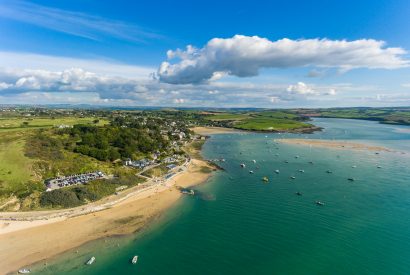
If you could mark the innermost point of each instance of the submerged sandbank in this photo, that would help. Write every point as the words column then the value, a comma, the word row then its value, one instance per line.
column 337, row 144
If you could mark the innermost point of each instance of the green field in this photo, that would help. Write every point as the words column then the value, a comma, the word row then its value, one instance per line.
column 260, row 121
column 19, row 123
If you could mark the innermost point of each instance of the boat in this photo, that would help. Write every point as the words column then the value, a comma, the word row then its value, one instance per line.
column 298, row 193
column 91, row 261
column 354, row 166
column 378, row 166
column 265, row 179
column 311, row 162
column 292, row 177
column 250, row 172
column 188, row 192
column 24, row 271
column 302, row 171
column 286, row 161
column 243, row 165
column 134, row 259
column 320, row 203
column 351, row 179
column 277, row 171
column 296, row 157
column 329, row 172
column 254, row 161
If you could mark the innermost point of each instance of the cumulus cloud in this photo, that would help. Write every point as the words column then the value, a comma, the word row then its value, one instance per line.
column 301, row 88
column 244, row 56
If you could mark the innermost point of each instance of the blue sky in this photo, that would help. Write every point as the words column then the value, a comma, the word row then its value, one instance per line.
column 338, row 53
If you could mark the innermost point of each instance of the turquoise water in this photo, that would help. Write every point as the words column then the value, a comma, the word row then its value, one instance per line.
column 239, row 225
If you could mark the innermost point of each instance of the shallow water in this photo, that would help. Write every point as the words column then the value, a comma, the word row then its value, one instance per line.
column 241, row 225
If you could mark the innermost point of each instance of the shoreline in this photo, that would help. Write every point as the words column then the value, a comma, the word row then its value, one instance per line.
column 334, row 144
column 52, row 237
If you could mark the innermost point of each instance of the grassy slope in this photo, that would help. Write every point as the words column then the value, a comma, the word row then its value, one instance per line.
column 16, row 173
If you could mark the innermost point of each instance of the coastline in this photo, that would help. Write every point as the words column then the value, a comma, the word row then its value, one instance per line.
column 51, row 237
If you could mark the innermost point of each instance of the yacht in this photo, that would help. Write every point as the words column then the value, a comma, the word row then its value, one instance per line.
column 91, row 261
column 134, row 260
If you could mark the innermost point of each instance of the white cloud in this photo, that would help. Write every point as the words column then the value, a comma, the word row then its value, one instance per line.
column 16, row 61
column 301, row 88
column 244, row 56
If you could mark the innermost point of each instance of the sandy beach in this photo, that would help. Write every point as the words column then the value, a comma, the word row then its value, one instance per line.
column 213, row 130
column 23, row 243
column 335, row 144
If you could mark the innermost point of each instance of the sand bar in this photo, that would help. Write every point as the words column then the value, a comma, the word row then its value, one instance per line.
column 336, row 144
column 214, row 130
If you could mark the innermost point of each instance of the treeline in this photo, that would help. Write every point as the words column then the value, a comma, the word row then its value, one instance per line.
column 112, row 142
column 66, row 197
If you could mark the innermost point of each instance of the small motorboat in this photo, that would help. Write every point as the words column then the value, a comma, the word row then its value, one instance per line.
column 134, row 260
column 296, row 157
column 354, row 166
column 277, row 171
column 293, row 177
column 90, row 261
column 265, row 179
column 298, row 193
column 302, row 171
column 311, row 162
column 250, row 172
column 378, row 166
column 254, row 161
column 24, row 271
column 350, row 179
column 286, row 161
column 329, row 172
column 319, row 203
column 243, row 165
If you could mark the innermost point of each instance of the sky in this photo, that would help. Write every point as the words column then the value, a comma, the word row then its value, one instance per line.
column 268, row 54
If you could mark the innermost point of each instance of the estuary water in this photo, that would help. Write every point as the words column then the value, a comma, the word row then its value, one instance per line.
column 239, row 224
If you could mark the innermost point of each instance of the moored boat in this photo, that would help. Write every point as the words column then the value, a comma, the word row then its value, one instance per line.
column 134, row 259
column 91, row 261
column 24, row 271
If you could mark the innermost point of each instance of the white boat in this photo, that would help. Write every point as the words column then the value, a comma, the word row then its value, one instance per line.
column 250, row 172
column 134, row 260
column 91, row 261
column 277, row 171
column 243, row 165
column 24, row 271
column 292, row 177
column 302, row 171
column 254, row 161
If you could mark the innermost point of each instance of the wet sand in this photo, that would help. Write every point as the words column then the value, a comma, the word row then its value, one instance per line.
column 336, row 144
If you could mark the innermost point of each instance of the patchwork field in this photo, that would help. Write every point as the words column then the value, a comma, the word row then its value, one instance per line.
column 19, row 123
column 261, row 121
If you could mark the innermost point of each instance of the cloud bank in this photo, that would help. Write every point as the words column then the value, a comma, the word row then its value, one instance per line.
column 244, row 56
